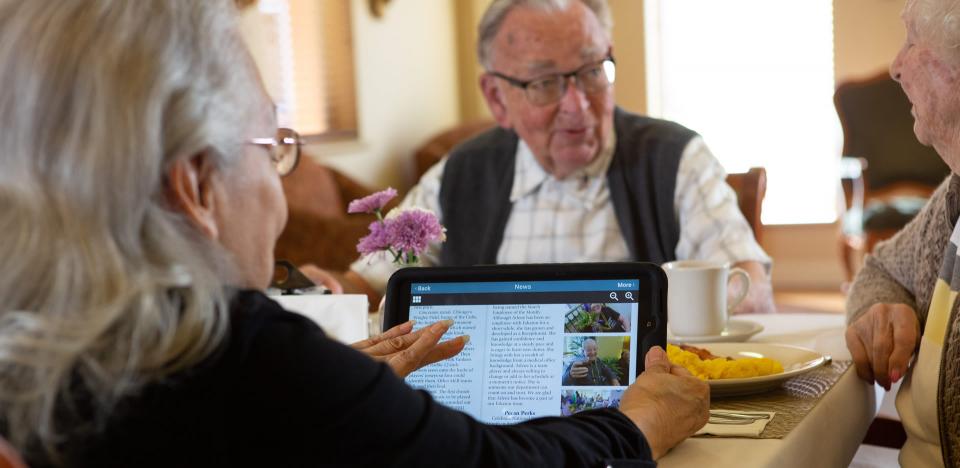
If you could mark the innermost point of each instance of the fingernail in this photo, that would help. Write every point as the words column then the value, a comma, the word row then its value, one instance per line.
column 441, row 325
column 466, row 339
column 895, row 376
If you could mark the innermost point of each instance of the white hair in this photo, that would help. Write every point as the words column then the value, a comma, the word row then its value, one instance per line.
column 938, row 21
column 103, row 286
column 497, row 11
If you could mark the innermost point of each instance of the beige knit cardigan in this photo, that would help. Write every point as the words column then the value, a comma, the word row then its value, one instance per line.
column 904, row 270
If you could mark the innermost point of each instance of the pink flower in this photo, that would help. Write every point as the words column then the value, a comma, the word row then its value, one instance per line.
column 411, row 231
column 405, row 234
column 378, row 239
column 372, row 203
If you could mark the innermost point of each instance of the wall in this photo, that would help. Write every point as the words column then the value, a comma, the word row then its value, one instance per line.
column 629, row 43
column 867, row 35
column 407, row 89
column 468, row 14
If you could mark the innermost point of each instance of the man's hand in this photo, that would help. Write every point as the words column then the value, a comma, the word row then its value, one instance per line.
column 578, row 370
column 666, row 403
column 882, row 341
column 348, row 282
column 759, row 298
column 406, row 352
column 322, row 277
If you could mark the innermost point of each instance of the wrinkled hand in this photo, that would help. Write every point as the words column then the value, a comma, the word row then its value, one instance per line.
column 406, row 352
column 882, row 341
column 322, row 277
column 666, row 403
column 578, row 370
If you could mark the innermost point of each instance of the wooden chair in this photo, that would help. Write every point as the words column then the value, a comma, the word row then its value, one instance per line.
column 318, row 230
column 750, row 186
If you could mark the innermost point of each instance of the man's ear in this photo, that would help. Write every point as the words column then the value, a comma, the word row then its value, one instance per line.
column 190, row 190
column 495, row 100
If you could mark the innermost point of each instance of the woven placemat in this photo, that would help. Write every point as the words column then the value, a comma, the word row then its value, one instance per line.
column 791, row 402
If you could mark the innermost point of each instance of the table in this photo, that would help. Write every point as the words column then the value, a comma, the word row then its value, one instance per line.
column 827, row 437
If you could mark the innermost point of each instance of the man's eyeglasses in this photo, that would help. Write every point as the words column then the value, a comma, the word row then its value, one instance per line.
column 591, row 78
column 284, row 149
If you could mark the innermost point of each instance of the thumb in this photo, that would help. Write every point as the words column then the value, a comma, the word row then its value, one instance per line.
column 656, row 361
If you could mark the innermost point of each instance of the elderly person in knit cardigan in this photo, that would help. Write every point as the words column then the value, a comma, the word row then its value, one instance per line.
column 902, row 308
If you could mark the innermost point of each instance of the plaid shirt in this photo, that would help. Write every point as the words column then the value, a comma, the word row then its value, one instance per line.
column 572, row 220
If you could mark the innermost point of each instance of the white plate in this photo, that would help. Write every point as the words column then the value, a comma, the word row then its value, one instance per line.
column 795, row 360
column 737, row 330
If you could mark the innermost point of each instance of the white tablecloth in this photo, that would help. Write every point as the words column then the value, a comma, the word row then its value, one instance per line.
column 827, row 437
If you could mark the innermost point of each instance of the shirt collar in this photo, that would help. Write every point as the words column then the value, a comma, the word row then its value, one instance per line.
column 529, row 175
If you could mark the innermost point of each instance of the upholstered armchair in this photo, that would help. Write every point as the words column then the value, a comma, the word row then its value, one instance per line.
column 319, row 231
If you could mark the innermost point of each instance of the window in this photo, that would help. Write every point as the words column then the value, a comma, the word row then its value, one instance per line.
column 304, row 51
column 755, row 78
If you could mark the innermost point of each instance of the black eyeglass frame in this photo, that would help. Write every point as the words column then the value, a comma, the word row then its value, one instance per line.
column 525, row 84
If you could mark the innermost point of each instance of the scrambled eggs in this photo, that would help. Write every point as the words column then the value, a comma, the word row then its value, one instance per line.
column 722, row 368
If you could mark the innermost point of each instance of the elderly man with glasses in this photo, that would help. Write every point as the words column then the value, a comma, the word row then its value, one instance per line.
column 568, row 176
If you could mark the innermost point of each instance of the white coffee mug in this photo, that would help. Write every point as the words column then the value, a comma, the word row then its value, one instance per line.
column 697, row 296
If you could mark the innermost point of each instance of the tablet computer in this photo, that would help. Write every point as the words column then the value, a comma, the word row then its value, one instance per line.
column 545, row 340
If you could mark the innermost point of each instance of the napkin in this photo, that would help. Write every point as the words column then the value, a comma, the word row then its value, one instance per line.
column 341, row 316
column 752, row 429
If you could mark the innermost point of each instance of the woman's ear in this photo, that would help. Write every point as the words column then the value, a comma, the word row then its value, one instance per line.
column 190, row 190
column 494, row 97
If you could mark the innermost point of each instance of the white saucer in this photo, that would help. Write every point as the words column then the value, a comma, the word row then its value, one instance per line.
column 737, row 330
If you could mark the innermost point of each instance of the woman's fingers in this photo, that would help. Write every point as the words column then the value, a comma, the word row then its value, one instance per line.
column 881, row 348
column 389, row 346
column 399, row 330
column 412, row 358
column 446, row 350
column 859, row 354
column 905, row 336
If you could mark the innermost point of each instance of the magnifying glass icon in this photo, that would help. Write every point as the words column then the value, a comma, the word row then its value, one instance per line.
column 613, row 295
column 628, row 295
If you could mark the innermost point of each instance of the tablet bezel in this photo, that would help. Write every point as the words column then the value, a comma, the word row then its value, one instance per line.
column 652, row 291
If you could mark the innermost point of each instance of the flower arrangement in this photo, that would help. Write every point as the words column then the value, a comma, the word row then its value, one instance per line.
column 405, row 234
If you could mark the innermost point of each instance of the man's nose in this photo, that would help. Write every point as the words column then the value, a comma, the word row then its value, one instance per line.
column 574, row 97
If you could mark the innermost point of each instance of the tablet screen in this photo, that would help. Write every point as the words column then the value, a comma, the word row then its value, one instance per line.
column 537, row 348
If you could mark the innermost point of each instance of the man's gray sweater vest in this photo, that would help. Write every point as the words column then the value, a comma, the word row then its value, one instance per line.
column 478, row 178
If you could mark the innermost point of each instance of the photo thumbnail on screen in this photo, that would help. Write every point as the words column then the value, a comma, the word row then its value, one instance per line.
column 598, row 318
column 596, row 361
column 575, row 401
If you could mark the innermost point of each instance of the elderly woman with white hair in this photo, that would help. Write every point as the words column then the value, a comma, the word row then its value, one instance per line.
column 902, row 309
column 139, row 206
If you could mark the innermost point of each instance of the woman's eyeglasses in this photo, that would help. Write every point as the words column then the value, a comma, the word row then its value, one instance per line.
column 284, row 149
